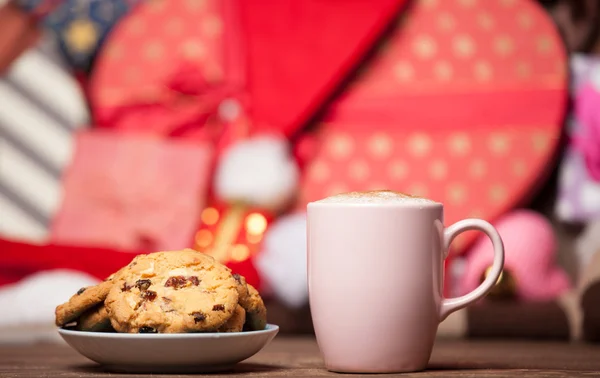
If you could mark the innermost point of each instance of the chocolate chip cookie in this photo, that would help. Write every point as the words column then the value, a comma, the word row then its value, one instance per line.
column 256, row 312
column 171, row 292
column 236, row 322
column 80, row 302
column 242, row 287
column 95, row 320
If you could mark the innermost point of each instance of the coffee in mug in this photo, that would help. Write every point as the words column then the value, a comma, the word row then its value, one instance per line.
column 375, row 278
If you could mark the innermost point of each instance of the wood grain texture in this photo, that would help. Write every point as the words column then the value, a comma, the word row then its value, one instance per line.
column 299, row 356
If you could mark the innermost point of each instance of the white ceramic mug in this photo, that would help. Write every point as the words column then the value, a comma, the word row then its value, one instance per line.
column 375, row 279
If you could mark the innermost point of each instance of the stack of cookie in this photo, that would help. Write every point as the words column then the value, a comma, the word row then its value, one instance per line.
column 167, row 292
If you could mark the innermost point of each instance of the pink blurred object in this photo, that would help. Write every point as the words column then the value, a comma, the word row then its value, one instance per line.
column 587, row 110
column 133, row 192
column 530, row 248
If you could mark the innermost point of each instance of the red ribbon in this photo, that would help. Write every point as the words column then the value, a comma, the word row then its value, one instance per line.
column 441, row 111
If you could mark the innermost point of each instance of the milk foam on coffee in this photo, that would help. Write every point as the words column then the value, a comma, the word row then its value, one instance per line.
column 376, row 197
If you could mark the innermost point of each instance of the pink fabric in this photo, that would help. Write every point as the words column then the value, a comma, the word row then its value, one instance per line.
column 587, row 111
column 530, row 248
column 132, row 192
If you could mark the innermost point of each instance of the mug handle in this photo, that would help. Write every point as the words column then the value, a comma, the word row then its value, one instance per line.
column 449, row 305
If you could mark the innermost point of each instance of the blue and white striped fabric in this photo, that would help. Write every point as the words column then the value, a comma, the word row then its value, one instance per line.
column 41, row 106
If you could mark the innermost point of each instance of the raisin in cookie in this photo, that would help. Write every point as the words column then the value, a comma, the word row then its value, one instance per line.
column 171, row 292
column 236, row 322
column 83, row 300
column 95, row 320
column 256, row 312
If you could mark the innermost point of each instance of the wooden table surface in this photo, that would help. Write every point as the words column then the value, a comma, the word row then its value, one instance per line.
column 299, row 356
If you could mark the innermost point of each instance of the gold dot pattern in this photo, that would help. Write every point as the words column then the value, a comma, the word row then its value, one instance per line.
column 503, row 45
column 544, row 44
column 136, row 27
column 470, row 44
column 477, row 213
column 429, row 3
column 524, row 20
column 341, row 146
column 540, row 142
column 212, row 26
column 419, row 145
column 443, row 70
column 196, row 5
column 497, row 193
column 156, row 6
column 398, row 170
column 523, row 70
column 378, row 186
column 499, row 143
column 519, row 168
column 174, row 26
column 483, row 71
column 467, row 3
column 193, row 50
column 380, row 145
column 438, row 169
column 463, row 46
column 457, row 194
column 459, row 144
column 153, row 51
column 337, row 188
column 319, row 171
column 425, row 47
column 485, row 21
column 446, row 21
column 477, row 168
column 359, row 170
column 418, row 189
column 155, row 38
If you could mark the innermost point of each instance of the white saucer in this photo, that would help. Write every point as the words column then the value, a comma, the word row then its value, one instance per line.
column 174, row 352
